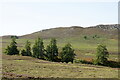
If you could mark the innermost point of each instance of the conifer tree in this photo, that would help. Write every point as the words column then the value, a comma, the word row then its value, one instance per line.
column 12, row 48
column 27, row 50
column 38, row 49
column 67, row 54
column 101, row 55
column 52, row 50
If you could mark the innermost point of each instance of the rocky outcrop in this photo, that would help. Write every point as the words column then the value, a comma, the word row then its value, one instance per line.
column 108, row 27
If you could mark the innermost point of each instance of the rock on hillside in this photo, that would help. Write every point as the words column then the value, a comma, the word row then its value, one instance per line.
column 107, row 27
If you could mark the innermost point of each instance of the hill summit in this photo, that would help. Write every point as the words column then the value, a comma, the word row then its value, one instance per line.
column 110, row 31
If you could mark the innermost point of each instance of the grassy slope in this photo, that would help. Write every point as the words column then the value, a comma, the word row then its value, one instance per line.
column 64, row 32
column 22, row 66
column 85, row 49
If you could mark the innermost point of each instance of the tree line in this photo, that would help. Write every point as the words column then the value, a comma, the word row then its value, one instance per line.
column 51, row 52
column 38, row 50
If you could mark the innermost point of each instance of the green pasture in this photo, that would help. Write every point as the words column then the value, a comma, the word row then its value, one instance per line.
column 84, row 48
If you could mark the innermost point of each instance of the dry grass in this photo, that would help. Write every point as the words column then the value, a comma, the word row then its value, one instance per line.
column 22, row 66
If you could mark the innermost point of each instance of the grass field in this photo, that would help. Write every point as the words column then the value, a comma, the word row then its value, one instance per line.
column 83, row 48
column 24, row 67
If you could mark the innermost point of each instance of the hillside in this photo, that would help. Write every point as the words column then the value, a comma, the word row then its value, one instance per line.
column 108, row 35
column 109, row 31
column 85, row 49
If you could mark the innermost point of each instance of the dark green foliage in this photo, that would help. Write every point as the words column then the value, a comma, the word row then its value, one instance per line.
column 52, row 50
column 85, row 37
column 28, row 48
column 27, row 51
column 96, row 36
column 113, row 64
column 12, row 48
column 49, row 53
column 38, row 49
column 16, row 37
column 101, row 55
column 93, row 37
column 67, row 54
column 23, row 52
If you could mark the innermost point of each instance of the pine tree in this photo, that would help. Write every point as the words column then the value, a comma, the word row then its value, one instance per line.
column 27, row 51
column 52, row 50
column 101, row 55
column 67, row 54
column 12, row 48
column 38, row 49
column 28, row 48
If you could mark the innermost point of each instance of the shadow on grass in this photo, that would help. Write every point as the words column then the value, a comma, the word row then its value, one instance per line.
column 112, row 64
column 60, row 79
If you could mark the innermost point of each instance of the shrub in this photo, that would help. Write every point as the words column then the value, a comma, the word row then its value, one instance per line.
column 85, row 37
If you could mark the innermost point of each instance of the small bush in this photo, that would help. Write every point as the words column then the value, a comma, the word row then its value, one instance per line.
column 85, row 37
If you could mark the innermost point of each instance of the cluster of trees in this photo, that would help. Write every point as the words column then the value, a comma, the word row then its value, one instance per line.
column 51, row 52
column 38, row 51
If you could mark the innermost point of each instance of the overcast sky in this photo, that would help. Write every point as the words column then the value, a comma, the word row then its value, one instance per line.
column 19, row 17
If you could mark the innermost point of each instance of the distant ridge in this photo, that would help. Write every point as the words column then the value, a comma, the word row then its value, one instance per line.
column 109, row 31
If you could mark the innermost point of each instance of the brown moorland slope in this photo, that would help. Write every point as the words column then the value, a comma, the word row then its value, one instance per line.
column 109, row 31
